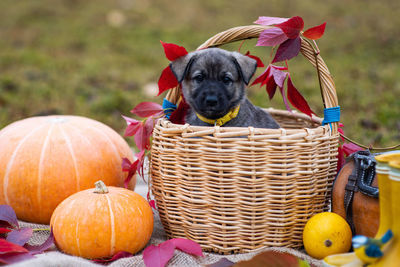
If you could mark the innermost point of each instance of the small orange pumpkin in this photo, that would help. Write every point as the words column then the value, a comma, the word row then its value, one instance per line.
column 43, row 160
column 97, row 223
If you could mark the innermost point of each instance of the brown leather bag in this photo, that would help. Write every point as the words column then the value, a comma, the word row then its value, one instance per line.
column 355, row 194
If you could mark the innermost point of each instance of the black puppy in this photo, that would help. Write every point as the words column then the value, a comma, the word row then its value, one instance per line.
column 214, row 85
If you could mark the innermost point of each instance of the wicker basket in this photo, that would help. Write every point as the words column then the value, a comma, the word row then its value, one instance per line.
column 235, row 189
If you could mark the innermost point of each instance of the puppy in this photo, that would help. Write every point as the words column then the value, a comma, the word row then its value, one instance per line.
column 214, row 84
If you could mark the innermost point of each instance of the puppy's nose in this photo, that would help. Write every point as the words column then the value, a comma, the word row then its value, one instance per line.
column 211, row 100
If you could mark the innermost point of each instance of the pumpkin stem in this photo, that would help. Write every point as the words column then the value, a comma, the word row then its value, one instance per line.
column 101, row 188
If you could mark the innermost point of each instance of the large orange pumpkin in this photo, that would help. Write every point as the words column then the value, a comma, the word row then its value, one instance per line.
column 43, row 160
column 97, row 223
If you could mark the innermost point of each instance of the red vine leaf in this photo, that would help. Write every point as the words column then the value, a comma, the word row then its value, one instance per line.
column 117, row 256
column 316, row 32
column 129, row 167
column 279, row 76
column 292, row 27
column 271, row 37
column 146, row 109
column 140, row 157
column 142, row 136
column 133, row 126
column 173, row 51
column 263, row 77
column 20, row 236
column 166, row 81
column 260, row 64
column 288, row 49
column 267, row 21
column 296, row 99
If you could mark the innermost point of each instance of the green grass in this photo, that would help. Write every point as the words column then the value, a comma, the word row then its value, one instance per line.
column 66, row 57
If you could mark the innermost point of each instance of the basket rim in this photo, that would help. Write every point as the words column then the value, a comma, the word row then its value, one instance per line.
column 188, row 130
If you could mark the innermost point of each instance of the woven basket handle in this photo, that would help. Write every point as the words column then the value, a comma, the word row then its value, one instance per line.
column 327, row 86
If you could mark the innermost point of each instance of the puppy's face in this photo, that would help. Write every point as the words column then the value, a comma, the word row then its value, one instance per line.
column 213, row 80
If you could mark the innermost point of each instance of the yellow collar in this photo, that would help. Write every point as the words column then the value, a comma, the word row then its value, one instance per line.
column 221, row 121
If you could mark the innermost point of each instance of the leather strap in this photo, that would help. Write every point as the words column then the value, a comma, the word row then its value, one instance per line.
column 359, row 180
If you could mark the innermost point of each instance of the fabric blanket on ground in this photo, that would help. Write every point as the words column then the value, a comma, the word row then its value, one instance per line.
column 53, row 257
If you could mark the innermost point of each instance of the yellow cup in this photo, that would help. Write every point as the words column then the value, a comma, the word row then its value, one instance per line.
column 384, row 184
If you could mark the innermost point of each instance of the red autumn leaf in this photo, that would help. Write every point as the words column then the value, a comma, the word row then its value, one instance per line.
column 178, row 116
column 288, row 49
column 341, row 159
column 20, row 236
column 271, row 86
column 279, row 76
column 129, row 167
column 152, row 203
column 262, row 77
column 271, row 37
column 267, row 21
column 146, row 109
column 296, row 99
column 260, row 64
column 133, row 126
column 350, row 148
column 292, row 27
column 316, row 32
column 15, row 257
column 140, row 157
column 4, row 230
column 142, row 136
column 8, row 247
column 158, row 256
column 187, row 246
column 166, row 81
column 117, row 256
column 173, row 51
column 285, row 100
column 7, row 214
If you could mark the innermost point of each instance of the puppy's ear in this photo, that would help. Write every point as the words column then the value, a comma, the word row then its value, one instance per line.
column 246, row 66
column 181, row 66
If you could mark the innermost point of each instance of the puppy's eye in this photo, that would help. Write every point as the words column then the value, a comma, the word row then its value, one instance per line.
column 227, row 80
column 199, row 78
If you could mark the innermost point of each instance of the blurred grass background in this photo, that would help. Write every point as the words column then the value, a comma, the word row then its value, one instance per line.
column 101, row 58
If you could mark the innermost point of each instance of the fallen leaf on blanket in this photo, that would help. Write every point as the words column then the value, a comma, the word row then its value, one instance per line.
column 117, row 256
column 20, row 236
column 43, row 247
column 224, row 262
column 159, row 255
column 273, row 259
column 15, row 248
